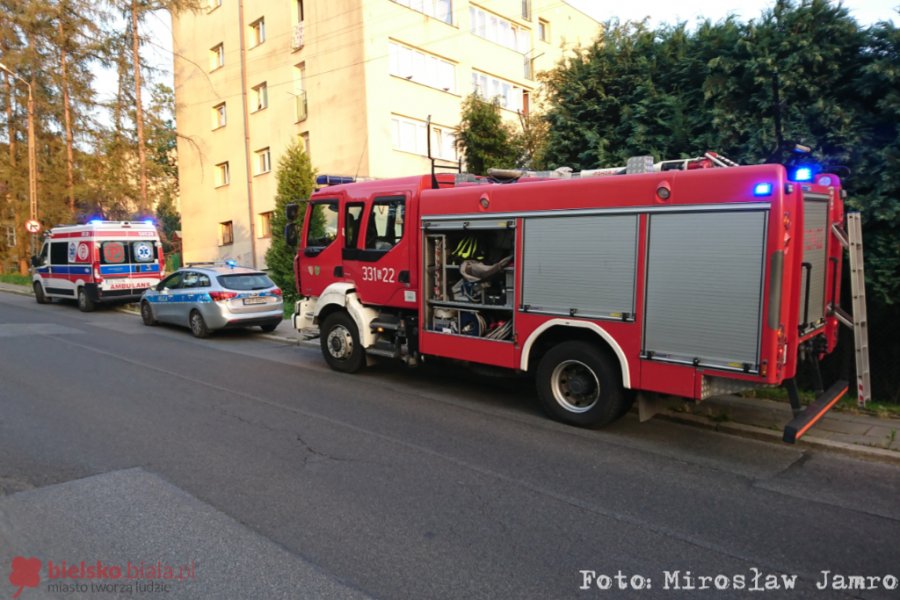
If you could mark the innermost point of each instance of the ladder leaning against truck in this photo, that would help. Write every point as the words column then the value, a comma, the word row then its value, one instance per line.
column 677, row 278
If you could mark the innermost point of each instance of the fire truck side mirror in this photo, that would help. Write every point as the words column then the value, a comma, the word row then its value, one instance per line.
column 291, row 211
column 291, row 235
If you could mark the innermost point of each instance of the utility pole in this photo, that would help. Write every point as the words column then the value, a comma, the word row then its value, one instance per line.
column 32, row 156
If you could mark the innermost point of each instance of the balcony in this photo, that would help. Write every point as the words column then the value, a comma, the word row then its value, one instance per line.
column 297, row 36
column 301, row 106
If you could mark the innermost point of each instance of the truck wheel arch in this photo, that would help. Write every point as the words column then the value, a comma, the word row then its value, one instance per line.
column 342, row 296
column 585, row 330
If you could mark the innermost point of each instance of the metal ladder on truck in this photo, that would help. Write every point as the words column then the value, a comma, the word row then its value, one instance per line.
column 858, row 322
column 852, row 241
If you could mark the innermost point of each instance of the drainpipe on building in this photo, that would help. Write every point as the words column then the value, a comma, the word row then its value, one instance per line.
column 247, row 162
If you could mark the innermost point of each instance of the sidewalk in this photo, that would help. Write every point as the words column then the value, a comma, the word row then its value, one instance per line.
column 860, row 435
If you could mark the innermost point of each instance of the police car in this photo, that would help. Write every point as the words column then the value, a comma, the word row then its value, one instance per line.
column 207, row 297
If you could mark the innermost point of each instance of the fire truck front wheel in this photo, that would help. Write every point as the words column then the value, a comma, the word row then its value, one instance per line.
column 340, row 343
column 579, row 385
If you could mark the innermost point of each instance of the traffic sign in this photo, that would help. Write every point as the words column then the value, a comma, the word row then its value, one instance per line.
column 33, row 226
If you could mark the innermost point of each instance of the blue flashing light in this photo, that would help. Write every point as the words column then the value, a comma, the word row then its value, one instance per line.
column 803, row 174
column 762, row 189
column 231, row 263
column 95, row 221
column 149, row 222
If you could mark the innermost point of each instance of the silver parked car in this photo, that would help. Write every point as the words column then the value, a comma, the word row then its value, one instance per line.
column 209, row 297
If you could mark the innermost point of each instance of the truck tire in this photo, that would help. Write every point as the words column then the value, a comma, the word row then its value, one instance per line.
column 39, row 296
column 579, row 385
column 147, row 314
column 85, row 304
column 198, row 325
column 340, row 343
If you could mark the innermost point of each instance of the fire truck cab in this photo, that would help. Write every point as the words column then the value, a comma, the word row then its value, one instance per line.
column 689, row 282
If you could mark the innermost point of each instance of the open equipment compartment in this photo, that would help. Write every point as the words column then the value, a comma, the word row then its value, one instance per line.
column 470, row 279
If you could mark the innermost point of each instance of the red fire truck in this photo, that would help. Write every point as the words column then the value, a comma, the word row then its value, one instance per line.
column 678, row 279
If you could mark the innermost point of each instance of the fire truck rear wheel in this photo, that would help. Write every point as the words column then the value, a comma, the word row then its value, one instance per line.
column 340, row 343
column 579, row 385
column 39, row 295
column 85, row 304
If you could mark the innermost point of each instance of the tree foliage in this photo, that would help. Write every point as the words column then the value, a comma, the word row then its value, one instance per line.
column 295, row 183
column 85, row 166
column 803, row 71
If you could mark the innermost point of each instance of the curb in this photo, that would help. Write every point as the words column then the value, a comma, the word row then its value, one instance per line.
column 769, row 435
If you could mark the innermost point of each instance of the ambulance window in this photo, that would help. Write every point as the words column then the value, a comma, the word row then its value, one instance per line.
column 352, row 218
column 385, row 227
column 144, row 251
column 59, row 253
column 323, row 224
column 113, row 253
column 45, row 250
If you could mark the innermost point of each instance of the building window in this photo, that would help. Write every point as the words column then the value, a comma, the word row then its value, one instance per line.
column 257, row 32
column 439, row 9
column 260, row 97
column 498, row 30
column 543, row 30
column 300, row 92
column 216, row 57
column 223, row 175
column 410, row 135
column 526, row 10
column 263, row 161
column 265, row 225
column 226, row 233
column 423, row 68
column 508, row 94
column 300, row 11
column 219, row 117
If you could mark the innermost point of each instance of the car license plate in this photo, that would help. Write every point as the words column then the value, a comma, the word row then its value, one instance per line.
column 255, row 300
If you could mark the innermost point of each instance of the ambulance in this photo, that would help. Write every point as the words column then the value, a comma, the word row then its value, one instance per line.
column 98, row 262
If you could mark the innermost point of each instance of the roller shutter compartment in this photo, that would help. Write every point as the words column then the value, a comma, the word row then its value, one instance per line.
column 704, row 288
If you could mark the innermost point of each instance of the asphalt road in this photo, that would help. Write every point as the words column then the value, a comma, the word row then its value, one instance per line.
column 274, row 477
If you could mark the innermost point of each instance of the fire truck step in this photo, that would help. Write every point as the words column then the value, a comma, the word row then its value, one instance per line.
column 375, row 351
column 794, row 430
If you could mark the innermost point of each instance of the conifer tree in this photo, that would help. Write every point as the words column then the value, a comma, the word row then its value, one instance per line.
column 295, row 183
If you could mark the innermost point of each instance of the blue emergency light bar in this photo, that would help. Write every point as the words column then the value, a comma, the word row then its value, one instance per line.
column 762, row 189
column 334, row 179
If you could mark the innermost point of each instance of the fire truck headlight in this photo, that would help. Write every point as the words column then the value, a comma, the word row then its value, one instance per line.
column 762, row 189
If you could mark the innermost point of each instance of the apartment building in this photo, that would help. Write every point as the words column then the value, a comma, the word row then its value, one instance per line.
column 355, row 80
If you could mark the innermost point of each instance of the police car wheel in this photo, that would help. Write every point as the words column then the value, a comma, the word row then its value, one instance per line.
column 268, row 327
column 39, row 295
column 579, row 385
column 85, row 304
column 147, row 314
column 198, row 325
column 340, row 343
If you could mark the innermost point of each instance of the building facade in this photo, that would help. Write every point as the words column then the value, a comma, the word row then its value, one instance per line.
column 355, row 80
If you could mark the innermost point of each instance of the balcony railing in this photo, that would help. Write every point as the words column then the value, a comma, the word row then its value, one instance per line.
column 297, row 36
